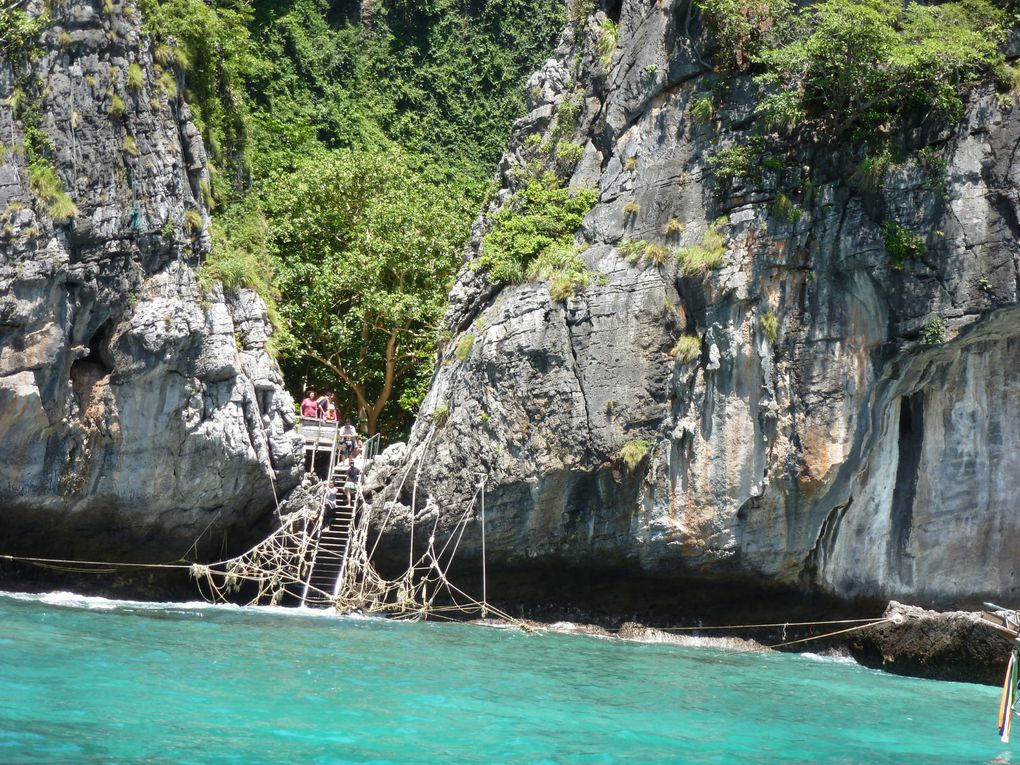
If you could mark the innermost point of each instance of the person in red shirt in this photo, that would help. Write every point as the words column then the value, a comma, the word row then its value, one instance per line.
column 310, row 406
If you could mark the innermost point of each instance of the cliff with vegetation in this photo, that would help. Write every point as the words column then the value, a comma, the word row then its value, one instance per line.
column 740, row 316
column 141, row 411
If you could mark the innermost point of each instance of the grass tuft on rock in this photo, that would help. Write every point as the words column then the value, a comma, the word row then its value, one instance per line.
column 464, row 347
column 770, row 327
column 710, row 254
column 45, row 184
column 633, row 453
column 562, row 267
column 687, row 349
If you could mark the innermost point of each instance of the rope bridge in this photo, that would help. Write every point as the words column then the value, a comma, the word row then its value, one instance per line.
column 323, row 556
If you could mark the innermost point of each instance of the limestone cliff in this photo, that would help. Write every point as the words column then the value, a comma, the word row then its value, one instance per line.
column 816, row 441
column 137, row 410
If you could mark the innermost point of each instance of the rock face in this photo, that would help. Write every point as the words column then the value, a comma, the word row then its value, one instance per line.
column 834, row 451
column 954, row 645
column 138, row 411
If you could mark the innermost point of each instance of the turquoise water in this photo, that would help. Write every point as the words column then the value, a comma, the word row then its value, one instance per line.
column 84, row 680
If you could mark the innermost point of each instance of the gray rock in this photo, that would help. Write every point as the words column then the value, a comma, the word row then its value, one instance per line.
column 138, row 412
column 953, row 645
column 846, row 457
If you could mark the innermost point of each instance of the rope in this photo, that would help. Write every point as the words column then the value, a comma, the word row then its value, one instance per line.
column 281, row 565
column 776, row 624
column 833, row 634
column 105, row 563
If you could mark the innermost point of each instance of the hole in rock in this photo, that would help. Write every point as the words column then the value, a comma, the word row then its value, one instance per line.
column 98, row 361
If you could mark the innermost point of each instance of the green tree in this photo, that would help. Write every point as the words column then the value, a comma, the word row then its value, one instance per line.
column 366, row 243
column 284, row 92
column 741, row 29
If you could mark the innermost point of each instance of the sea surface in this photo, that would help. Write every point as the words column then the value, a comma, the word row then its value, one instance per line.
column 89, row 680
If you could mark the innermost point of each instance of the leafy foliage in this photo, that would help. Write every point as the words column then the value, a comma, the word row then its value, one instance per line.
column 934, row 331
column 277, row 87
column 542, row 215
column 743, row 28
column 18, row 31
column 856, row 64
column 901, row 243
column 367, row 239
column 734, row 163
column 869, row 174
column 770, row 327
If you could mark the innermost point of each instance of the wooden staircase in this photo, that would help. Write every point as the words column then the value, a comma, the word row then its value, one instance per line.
column 330, row 547
column 330, row 554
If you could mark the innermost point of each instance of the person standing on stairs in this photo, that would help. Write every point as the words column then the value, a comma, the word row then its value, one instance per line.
column 350, row 445
column 353, row 479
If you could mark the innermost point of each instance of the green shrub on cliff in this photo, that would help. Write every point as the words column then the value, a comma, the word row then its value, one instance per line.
column 18, row 31
column 741, row 29
column 737, row 162
column 43, row 180
column 934, row 331
column 901, row 243
column 562, row 267
column 852, row 65
column 633, row 453
column 540, row 216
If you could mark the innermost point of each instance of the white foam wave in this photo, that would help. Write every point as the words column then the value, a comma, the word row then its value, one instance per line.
column 830, row 658
column 96, row 603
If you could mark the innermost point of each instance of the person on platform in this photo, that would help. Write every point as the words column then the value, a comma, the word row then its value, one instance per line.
column 329, row 412
column 310, row 406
